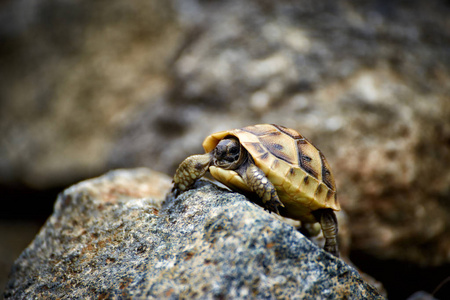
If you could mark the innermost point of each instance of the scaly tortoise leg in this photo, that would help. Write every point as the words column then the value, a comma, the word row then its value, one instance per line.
column 191, row 169
column 258, row 183
column 328, row 222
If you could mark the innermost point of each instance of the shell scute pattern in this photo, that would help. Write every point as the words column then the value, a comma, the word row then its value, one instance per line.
column 327, row 178
column 281, row 146
column 297, row 169
column 278, row 175
column 292, row 133
column 276, row 178
column 309, row 159
column 294, row 176
column 257, row 130
column 257, row 147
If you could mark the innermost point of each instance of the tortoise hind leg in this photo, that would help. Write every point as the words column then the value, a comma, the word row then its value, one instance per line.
column 328, row 222
column 191, row 169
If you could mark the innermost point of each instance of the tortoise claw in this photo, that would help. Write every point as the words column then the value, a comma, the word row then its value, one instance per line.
column 272, row 205
column 175, row 191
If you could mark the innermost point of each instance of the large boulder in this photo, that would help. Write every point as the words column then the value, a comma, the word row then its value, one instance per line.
column 114, row 236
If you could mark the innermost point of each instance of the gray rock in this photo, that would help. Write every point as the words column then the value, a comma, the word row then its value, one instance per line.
column 114, row 237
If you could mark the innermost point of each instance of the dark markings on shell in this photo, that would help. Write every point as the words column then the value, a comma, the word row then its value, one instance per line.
column 264, row 156
column 273, row 133
column 306, row 180
column 278, row 152
column 304, row 162
column 327, row 178
column 281, row 156
column 278, row 146
column 301, row 142
column 319, row 189
column 258, row 131
column 291, row 171
column 258, row 148
column 290, row 132
column 275, row 164
column 330, row 194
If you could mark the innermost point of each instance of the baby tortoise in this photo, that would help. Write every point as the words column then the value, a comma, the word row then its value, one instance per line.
column 288, row 174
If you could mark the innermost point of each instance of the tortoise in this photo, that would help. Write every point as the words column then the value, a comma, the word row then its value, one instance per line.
column 288, row 174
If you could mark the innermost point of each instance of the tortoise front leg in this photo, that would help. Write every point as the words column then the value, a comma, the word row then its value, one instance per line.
column 258, row 183
column 191, row 169
column 328, row 222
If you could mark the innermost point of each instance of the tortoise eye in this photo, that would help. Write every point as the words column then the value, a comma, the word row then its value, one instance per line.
column 234, row 150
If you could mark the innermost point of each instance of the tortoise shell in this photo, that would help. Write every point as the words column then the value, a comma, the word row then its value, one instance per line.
column 297, row 169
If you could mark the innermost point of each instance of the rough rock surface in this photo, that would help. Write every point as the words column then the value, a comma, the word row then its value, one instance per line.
column 113, row 237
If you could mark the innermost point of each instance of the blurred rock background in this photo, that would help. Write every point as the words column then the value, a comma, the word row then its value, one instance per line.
column 90, row 86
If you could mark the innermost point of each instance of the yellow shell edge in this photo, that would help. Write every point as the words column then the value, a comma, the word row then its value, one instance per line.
column 300, row 195
column 229, row 178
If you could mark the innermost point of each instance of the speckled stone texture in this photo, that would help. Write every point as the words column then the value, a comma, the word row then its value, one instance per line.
column 115, row 237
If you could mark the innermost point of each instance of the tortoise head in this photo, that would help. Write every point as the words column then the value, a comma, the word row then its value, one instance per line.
column 229, row 154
